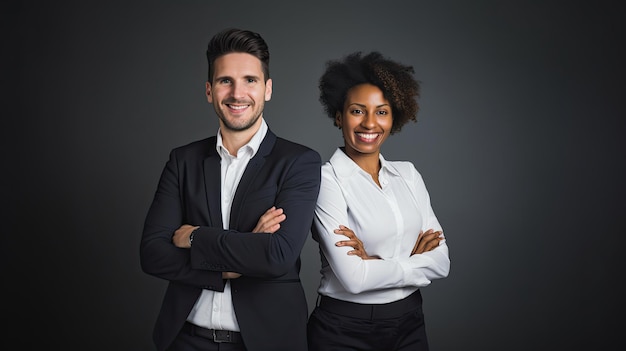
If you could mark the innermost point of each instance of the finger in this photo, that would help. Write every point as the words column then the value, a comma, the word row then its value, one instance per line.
column 352, row 243
column 434, row 233
column 343, row 227
column 278, row 219
column 419, row 244
column 272, row 227
column 423, row 241
column 429, row 235
column 427, row 243
column 431, row 244
column 347, row 232
column 416, row 245
column 268, row 212
column 272, row 219
column 357, row 252
column 271, row 213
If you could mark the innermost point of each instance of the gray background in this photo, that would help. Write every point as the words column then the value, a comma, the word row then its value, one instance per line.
column 519, row 140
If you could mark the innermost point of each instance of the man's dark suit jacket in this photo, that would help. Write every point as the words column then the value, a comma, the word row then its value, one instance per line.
column 268, row 298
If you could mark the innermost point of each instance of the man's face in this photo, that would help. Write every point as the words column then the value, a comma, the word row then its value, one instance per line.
column 238, row 91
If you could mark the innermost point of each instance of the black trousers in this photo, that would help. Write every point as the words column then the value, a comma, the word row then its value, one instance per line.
column 336, row 325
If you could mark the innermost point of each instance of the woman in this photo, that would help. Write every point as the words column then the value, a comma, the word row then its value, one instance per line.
column 379, row 239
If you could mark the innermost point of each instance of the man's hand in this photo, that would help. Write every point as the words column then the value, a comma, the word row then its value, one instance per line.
column 270, row 221
column 181, row 236
column 354, row 242
column 427, row 241
column 230, row 275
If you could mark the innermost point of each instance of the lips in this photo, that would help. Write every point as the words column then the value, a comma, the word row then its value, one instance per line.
column 237, row 107
column 367, row 137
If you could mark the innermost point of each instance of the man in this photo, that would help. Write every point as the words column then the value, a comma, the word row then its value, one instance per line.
column 230, row 217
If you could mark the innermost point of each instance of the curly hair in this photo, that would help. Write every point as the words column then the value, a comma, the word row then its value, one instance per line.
column 396, row 81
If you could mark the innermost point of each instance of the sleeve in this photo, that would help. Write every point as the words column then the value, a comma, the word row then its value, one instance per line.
column 434, row 264
column 159, row 257
column 357, row 275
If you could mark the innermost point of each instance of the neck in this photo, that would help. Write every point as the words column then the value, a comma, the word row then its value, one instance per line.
column 370, row 163
column 233, row 140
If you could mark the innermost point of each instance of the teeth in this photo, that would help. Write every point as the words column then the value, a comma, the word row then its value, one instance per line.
column 237, row 107
column 367, row 136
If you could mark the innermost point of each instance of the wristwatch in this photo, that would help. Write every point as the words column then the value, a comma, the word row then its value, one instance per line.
column 191, row 236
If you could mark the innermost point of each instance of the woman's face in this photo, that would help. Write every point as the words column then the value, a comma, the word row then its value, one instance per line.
column 365, row 121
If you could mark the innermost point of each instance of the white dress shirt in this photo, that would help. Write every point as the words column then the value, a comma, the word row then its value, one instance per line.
column 387, row 219
column 214, row 309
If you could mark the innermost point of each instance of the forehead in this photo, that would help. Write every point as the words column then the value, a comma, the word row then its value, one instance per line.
column 237, row 64
column 366, row 94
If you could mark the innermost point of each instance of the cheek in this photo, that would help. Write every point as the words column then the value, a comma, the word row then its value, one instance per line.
column 347, row 134
column 386, row 125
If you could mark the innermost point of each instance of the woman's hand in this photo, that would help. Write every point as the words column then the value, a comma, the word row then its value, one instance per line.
column 354, row 242
column 427, row 241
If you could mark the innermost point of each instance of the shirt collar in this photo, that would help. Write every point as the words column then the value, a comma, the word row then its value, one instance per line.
column 252, row 146
column 346, row 167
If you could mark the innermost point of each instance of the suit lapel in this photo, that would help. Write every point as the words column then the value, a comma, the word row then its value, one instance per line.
column 213, row 185
column 250, row 173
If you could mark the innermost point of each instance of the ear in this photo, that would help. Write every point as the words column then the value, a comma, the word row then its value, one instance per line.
column 209, row 96
column 338, row 120
column 268, row 90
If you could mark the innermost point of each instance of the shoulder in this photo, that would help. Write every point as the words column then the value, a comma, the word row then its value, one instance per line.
column 405, row 169
column 287, row 147
column 286, row 144
column 199, row 148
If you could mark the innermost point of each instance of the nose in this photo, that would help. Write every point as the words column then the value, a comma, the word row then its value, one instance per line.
column 369, row 121
column 238, row 90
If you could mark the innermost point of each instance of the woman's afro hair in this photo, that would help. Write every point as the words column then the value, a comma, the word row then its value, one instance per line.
column 396, row 81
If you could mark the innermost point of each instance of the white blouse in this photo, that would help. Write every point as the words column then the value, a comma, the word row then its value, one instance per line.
column 387, row 219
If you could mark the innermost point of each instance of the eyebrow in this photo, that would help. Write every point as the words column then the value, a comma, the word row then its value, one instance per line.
column 248, row 76
column 363, row 106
